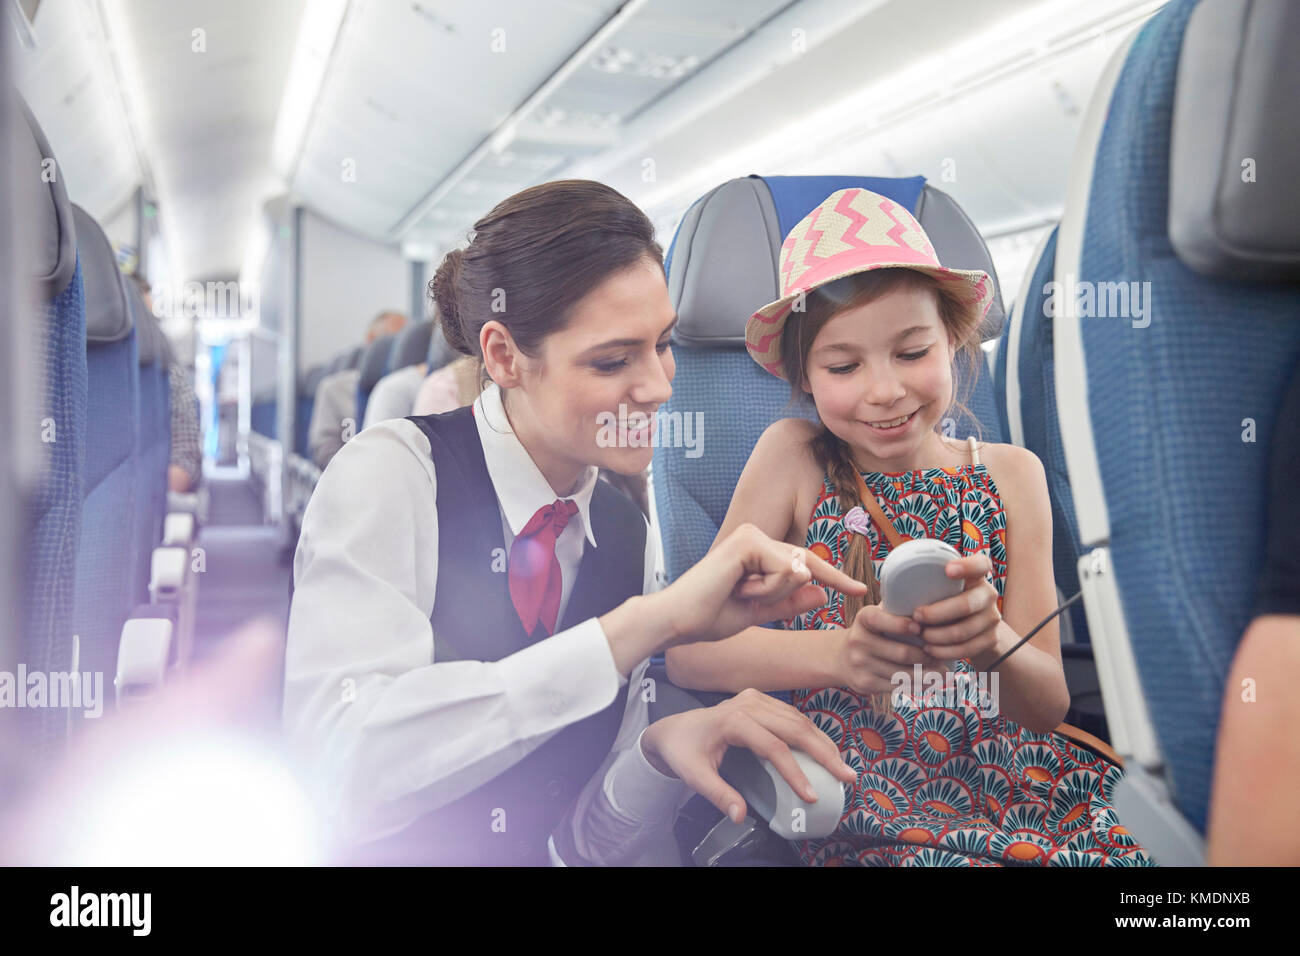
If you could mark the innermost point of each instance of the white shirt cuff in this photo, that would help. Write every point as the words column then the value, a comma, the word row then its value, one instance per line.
column 637, row 790
column 562, row 679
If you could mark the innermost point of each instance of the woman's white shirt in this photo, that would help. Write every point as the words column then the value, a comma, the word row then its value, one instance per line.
column 388, row 733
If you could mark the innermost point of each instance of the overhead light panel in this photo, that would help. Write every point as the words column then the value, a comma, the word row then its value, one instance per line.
column 318, row 35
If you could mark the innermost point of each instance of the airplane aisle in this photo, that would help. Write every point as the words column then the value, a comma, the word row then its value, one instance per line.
column 244, row 575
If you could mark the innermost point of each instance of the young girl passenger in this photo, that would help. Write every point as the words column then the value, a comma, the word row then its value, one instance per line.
column 869, row 326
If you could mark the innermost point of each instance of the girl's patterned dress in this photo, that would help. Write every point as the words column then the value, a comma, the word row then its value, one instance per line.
column 943, row 780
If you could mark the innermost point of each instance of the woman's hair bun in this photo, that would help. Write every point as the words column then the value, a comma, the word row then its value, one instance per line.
column 548, row 246
column 445, row 290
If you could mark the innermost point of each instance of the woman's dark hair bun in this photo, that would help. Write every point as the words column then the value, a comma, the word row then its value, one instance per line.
column 444, row 290
column 534, row 256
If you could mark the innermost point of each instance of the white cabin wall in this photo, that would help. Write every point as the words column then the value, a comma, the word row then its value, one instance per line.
column 347, row 280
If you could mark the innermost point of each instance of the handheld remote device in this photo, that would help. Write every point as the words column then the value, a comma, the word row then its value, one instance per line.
column 912, row 576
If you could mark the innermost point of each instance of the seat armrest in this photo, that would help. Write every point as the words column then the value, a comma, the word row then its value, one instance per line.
column 768, row 795
column 167, row 573
column 144, row 653
column 178, row 529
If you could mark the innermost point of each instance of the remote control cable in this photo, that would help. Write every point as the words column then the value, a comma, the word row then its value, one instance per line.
column 1022, row 641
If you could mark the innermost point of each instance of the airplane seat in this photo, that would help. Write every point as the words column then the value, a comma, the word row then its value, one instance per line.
column 998, row 368
column 354, row 356
column 373, row 365
column 721, row 266
column 440, row 352
column 262, row 415
column 1167, row 408
column 51, row 531
column 337, row 363
column 166, row 588
column 1025, row 384
column 106, row 560
column 155, row 435
column 411, row 346
column 306, row 400
column 302, row 471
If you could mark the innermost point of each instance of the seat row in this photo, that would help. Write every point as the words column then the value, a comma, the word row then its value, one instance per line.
column 102, row 596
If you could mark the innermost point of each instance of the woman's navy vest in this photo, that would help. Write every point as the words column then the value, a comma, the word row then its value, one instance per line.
column 507, row 820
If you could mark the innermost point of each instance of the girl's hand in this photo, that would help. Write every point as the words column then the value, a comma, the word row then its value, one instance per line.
column 747, row 579
column 691, row 745
column 966, row 624
column 868, row 658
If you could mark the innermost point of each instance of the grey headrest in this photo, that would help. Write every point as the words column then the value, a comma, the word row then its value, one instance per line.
column 150, row 341
column 374, row 362
column 1234, row 154
column 354, row 357
column 108, row 317
column 723, row 266
column 412, row 346
column 440, row 353
column 959, row 245
column 42, row 207
column 307, row 384
column 728, row 246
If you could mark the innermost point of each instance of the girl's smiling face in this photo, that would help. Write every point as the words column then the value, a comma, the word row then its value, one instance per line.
column 873, row 364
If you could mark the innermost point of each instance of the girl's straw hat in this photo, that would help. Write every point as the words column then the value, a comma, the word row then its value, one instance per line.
column 852, row 231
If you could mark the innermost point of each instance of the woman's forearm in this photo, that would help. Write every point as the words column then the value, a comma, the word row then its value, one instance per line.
column 757, row 657
column 1031, row 684
column 638, row 628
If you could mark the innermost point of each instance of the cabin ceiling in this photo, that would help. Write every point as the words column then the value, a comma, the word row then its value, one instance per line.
column 406, row 141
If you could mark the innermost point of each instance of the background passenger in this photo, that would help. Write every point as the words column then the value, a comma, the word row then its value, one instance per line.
column 455, row 384
column 185, row 464
column 336, row 398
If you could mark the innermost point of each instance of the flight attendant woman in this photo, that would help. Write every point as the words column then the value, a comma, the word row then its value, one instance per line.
column 473, row 610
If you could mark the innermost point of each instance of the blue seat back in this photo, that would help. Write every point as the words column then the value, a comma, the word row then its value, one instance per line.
column 1182, row 401
column 262, row 416
column 107, row 564
column 155, row 434
column 306, row 402
column 1039, row 427
column 722, row 265
column 52, row 507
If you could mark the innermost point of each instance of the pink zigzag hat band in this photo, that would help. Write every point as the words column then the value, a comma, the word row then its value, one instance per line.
column 852, row 231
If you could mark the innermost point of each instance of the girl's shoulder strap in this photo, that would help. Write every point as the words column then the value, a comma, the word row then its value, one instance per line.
column 974, row 447
column 872, row 507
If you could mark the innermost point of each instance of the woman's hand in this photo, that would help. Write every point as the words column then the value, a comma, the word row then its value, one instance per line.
column 745, row 580
column 691, row 745
column 868, row 658
column 966, row 624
